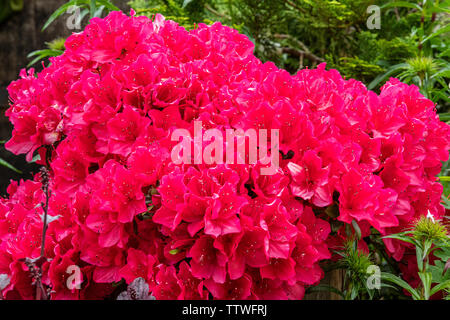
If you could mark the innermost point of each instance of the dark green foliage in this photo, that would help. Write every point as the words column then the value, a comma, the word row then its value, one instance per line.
column 303, row 33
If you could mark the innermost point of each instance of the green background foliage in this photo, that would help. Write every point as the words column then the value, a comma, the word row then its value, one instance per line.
column 411, row 44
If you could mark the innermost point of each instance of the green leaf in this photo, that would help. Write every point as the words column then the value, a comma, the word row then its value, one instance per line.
column 426, row 248
column 9, row 166
column 444, row 72
column 402, row 4
column 419, row 253
column 36, row 157
column 403, row 284
column 185, row 3
column 439, row 7
column 403, row 237
column 438, row 272
column 99, row 11
column 354, row 292
column 108, row 5
column 83, row 14
column 426, row 282
column 437, row 33
column 16, row 5
column 92, row 8
column 385, row 285
column 333, row 212
column 444, row 116
column 348, row 230
column 42, row 54
column 393, row 69
column 356, row 228
column 443, row 253
column 61, row 10
column 444, row 178
column 446, row 202
column 439, row 287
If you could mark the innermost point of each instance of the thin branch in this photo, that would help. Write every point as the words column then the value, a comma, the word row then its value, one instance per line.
column 36, row 267
column 217, row 13
column 304, row 52
column 45, row 188
column 397, row 15
column 295, row 6
column 299, row 53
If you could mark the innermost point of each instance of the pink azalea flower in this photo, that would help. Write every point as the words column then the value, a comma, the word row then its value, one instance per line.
column 310, row 180
column 207, row 261
column 280, row 232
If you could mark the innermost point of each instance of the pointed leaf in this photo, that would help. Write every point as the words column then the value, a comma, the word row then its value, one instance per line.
column 401, row 237
column 185, row 3
column 400, row 282
column 439, row 287
column 9, row 166
column 437, row 33
column 426, row 282
column 108, row 5
column 356, row 228
column 389, row 72
column 402, row 4
column 61, row 10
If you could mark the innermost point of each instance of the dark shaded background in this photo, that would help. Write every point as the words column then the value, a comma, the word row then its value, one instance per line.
column 21, row 34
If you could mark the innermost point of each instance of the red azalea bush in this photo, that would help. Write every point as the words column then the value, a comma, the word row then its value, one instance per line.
column 101, row 116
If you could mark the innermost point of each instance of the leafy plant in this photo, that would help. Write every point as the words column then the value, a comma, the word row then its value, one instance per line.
column 93, row 8
column 355, row 263
column 54, row 48
column 295, row 34
column 430, row 238
column 428, row 68
column 425, row 72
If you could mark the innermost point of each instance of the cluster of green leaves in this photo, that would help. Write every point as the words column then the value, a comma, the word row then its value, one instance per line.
column 54, row 48
column 185, row 12
column 428, row 66
column 376, row 275
column 91, row 8
column 356, row 264
column 95, row 8
column 362, row 270
column 412, row 43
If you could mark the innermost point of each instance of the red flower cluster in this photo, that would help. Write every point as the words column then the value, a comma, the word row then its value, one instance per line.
column 120, row 209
